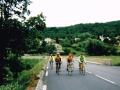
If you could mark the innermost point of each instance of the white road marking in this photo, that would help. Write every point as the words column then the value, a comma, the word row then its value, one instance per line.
column 88, row 72
column 105, row 79
column 45, row 87
column 47, row 67
column 47, row 73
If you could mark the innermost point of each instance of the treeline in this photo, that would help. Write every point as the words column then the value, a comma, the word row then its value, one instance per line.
column 88, row 39
column 108, row 29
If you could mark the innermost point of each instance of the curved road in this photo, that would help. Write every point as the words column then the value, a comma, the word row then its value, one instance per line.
column 97, row 77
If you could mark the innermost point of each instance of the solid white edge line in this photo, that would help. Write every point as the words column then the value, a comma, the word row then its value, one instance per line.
column 45, row 87
column 47, row 73
column 105, row 79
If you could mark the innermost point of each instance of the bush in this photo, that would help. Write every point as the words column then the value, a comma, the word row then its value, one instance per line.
column 23, row 79
column 12, row 86
column 77, row 48
column 95, row 47
column 66, row 51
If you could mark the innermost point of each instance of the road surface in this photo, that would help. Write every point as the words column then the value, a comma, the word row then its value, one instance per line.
column 97, row 77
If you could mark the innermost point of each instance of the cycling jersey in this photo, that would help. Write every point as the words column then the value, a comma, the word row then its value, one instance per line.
column 51, row 58
column 57, row 58
column 69, row 59
column 81, row 59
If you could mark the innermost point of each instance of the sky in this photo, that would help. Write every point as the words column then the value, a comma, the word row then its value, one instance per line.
column 61, row 13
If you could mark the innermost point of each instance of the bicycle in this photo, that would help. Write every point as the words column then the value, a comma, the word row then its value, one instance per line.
column 58, row 68
column 70, row 68
column 51, row 64
column 82, row 68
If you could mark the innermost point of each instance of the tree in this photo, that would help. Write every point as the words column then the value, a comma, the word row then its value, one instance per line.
column 113, row 41
column 35, row 26
column 50, row 49
column 57, row 40
column 9, row 8
column 95, row 47
column 36, row 22
column 12, row 39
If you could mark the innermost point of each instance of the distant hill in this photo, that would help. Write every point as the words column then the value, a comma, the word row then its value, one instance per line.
column 110, row 29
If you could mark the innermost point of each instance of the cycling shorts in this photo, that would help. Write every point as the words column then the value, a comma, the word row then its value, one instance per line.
column 81, row 61
column 58, row 61
column 69, row 61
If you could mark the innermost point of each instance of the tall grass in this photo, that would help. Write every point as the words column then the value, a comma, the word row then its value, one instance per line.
column 33, row 66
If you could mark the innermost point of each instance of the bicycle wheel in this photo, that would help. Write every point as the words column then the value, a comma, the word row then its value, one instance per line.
column 83, row 71
column 72, row 68
column 58, row 71
column 51, row 65
column 69, row 70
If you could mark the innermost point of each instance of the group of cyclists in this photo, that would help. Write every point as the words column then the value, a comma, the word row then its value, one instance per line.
column 69, row 60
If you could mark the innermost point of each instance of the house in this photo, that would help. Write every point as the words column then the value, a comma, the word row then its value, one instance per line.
column 102, row 38
column 58, row 48
column 48, row 40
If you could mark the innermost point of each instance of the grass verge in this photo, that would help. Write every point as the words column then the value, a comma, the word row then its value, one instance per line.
column 115, row 59
column 28, row 77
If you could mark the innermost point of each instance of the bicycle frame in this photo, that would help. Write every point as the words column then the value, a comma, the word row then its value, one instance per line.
column 57, row 68
column 51, row 64
column 82, row 68
column 70, row 68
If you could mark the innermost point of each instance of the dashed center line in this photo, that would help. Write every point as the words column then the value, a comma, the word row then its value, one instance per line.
column 105, row 79
column 47, row 73
column 88, row 72
column 45, row 87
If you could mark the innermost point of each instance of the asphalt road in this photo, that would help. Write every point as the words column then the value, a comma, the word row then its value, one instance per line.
column 97, row 77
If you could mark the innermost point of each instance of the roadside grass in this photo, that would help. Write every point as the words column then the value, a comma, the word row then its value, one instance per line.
column 28, row 77
column 115, row 59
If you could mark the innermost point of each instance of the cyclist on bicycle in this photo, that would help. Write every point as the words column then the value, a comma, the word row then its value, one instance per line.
column 81, row 60
column 58, row 61
column 51, row 59
column 69, row 60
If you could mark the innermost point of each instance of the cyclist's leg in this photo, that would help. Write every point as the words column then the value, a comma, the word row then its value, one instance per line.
column 67, row 65
column 52, row 62
column 82, row 66
column 56, row 66
column 59, row 65
column 79, row 65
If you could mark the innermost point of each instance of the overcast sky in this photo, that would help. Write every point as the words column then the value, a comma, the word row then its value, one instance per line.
column 70, row 12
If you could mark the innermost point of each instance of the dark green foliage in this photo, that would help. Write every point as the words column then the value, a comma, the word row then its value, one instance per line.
column 7, row 8
column 66, row 51
column 12, row 37
column 57, row 40
column 95, row 47
column 50, row 49
column 65, row 43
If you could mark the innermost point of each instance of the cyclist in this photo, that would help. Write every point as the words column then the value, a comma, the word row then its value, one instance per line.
column 69, row 60
column 51, row 59
column 58, row 61
column 81, row 60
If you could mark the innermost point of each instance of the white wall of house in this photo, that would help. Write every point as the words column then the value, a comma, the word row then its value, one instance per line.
column 48, row 40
